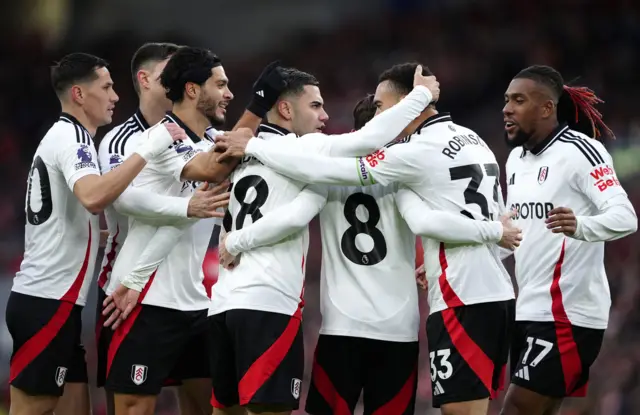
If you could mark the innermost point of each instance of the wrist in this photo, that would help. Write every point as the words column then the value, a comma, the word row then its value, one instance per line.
column 132, row 283
column 425, row 93
column 258, row 108
column 496, row 231
column 230, row 243
column 578, row 234
column 252, row 145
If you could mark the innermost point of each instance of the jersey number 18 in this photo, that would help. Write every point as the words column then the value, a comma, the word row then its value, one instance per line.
column 240, row 190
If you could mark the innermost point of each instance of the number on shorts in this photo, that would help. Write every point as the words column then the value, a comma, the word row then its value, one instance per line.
column 41, row 216
column 546, row 348
column 348, row 241
column 444, row 363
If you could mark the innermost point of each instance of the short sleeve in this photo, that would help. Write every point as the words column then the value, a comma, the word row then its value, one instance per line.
column 594, row 174
column 173, row 159
column 76, row 156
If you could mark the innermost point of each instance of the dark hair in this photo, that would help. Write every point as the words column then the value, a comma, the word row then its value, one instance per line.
column 74, row 68
column 188, row 64
column 401, row 76
column 150, row 52
column 363, row 112
column 296, row 80
column 575, row 105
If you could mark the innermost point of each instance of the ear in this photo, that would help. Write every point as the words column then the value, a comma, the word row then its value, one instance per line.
column 548, row 108
column 77, row 95
column 192, row 90
column 143, row 79
column 285, row 110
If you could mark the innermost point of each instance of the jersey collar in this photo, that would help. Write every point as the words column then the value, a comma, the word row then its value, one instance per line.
column 140, row 120
column 171, row 117
column 435, row 119
column 268, row 127
column 547, row 142
column 66, row 117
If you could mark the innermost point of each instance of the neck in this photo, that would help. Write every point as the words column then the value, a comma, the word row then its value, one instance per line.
column 279, row 121
column 151, row 110
column 541, row 134
column 428, row 112
column 193, row 118
column 81, row 116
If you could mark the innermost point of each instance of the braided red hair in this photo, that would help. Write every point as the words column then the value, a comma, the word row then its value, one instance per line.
column 584, row 100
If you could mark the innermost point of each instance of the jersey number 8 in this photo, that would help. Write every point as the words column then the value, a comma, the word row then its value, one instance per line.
column 348, row 242
column 252, row 208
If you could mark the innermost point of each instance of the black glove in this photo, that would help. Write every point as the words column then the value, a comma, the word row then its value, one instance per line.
column 267, row 89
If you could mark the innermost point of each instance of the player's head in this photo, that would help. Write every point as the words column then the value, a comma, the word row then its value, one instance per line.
column 537, row 99
column 82, row 81
column 146, row 66
column 195, row 77
column 300, row 107
column 395, row 83
column 363, row 112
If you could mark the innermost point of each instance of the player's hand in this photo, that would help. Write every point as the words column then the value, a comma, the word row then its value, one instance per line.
column 421, row 277
column 225, row 259
column 233, row 143
column 207, row 199
column 562, row 220
column 267, row 89
column 150, row 148
column 119, row 305
column 104, row 235
column 430, row 82
column 511, row 235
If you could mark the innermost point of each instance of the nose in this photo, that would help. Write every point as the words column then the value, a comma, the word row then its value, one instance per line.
column 115, row 97
column 324, row 117
column 228, row 95
column 507, row 109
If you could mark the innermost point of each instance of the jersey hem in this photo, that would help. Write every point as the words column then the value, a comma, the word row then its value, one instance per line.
column 476, row 301
column 254, row 307
column 79, row 302
column 574, row 322
column 192, row 307
column 372, row 336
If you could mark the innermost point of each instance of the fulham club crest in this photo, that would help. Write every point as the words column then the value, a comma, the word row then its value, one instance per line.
column 542, row 174
column 139, row 374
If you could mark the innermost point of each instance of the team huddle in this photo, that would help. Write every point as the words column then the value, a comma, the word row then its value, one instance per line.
column 167, row 176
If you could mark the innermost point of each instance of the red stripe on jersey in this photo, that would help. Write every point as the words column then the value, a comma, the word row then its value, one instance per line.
column 73, row 293
column 36, row 344
column 475, row 357
column 399, row 403
column 327, row 390
column 569, row 356
column 268, row 362
column 111, row 256
column 449, row 296
column 123, row 329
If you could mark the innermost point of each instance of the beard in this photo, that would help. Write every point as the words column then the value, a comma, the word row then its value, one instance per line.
column 520, row 139
column 208, row 106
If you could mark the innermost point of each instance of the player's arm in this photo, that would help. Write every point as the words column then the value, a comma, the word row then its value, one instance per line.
column 279, row 223
column 143, row 204
column 398, row 163
column 444, row 226
column 96, row 192
column 504, row 253
column 595, row 177
column 152, row 256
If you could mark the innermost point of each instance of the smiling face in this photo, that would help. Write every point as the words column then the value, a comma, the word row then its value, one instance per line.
column 215, row 96
column 528, row 104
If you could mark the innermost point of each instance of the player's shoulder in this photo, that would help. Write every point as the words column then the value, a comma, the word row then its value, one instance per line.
column 575, row 146
column 67, row 130
column 268, row 131
column 116, row 140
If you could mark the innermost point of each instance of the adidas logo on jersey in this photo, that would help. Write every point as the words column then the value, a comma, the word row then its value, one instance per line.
column 523, row 373
column 260, row 93
column 437, row 389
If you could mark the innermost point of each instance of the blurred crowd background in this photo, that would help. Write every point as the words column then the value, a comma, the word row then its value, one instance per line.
column 474, row 48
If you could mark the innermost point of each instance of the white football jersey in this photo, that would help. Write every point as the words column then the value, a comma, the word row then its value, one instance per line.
column 178, row 281
column 115, row 147
column 453, row 170
column 560, row 278
column 61, row 236
column 269, row 278
column 368, row 288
